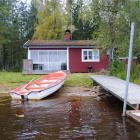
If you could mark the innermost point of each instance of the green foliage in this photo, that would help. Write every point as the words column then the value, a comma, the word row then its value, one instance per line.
column 4, row 13
column 82, row 21
column 32, row 19
column 50, row 22
column 48, row 30
column 114, row 18
column 118, row 69
column 16, row 27
column 135, row 72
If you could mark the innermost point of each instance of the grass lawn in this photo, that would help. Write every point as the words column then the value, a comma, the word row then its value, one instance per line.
column 11, row 80
column 78, row 80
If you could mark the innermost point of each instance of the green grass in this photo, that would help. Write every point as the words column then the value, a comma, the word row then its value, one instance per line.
column 78, row 80
column 11, row 80
column 137, row 80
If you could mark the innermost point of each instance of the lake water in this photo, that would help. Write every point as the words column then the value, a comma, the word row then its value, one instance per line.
column 66, row 117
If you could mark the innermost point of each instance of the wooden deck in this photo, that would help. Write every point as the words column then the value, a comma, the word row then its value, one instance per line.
column 116, row 87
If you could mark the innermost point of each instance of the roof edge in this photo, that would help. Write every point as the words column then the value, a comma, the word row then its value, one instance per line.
column 26, row 44
column 46, row 43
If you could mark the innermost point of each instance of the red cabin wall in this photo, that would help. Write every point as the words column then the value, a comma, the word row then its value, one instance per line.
column 75, row 60
column 76, row 64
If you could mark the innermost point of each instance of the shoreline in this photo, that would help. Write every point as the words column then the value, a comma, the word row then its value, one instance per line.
column 68, row 91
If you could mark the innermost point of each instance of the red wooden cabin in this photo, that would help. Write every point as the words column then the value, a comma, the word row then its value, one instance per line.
column 74, row 56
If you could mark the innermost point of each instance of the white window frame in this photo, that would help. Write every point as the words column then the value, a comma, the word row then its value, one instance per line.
column 89, row 60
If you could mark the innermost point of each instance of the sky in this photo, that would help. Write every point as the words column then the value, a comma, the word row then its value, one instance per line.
column 28, row 1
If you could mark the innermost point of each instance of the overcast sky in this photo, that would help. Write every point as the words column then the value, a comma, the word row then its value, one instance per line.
column 28, row 1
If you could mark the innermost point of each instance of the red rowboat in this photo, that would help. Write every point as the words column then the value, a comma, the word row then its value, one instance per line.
column 40, row 88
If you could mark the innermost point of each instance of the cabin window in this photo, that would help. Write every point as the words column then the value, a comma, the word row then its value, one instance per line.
column 90, row 55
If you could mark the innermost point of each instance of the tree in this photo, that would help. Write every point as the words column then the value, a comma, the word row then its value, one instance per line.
column 68, row 14
column 82, row 20
column 5, row 8
column 50, row 22
column 14, row 33
column 31, row 21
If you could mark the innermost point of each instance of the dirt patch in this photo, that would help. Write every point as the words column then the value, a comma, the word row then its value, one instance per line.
column 81, row 91
column 4, row 95
column 4, row 92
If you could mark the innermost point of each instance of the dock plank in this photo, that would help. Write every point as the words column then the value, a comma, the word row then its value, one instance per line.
column 116, row 87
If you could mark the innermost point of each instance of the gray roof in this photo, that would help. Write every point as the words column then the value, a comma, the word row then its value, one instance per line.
column 59, row 44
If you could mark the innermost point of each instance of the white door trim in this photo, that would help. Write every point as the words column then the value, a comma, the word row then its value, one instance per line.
column 67, row 58
column 29, row 54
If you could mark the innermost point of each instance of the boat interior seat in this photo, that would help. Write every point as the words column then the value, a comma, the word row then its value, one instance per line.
column 36, row 89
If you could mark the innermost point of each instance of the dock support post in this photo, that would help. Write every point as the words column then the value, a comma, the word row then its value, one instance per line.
column 128, row 67
column 137, row 107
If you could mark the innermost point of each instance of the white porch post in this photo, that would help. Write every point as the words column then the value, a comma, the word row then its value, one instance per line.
column 67, row 58
column 29, row 54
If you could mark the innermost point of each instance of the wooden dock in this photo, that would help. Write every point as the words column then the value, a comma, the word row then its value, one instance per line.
column 116, row 87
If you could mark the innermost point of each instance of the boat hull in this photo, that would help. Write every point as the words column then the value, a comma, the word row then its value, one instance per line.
column 38, row 95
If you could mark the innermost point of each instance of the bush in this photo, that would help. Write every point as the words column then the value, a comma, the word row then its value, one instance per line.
column 118, row 69
column 135, row 74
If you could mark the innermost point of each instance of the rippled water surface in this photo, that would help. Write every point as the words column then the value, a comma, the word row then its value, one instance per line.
column 66, row 117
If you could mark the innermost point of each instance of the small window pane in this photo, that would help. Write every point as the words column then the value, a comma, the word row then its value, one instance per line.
column 90, row 55
column 85, row 53
column 96, row 55
column 85, row 57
